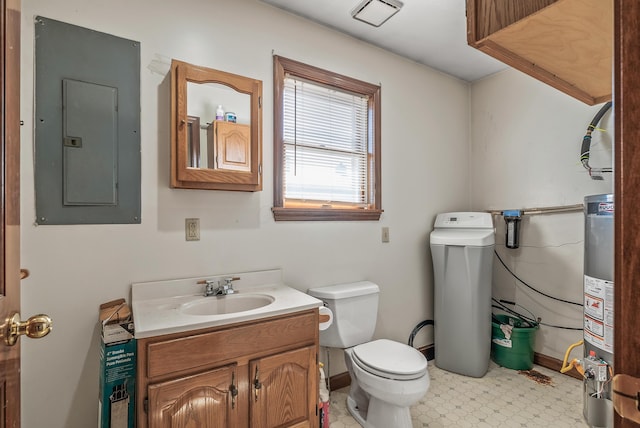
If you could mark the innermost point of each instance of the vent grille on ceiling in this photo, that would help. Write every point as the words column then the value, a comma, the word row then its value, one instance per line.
column 376, row 12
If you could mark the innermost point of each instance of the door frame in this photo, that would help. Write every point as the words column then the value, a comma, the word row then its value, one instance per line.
column 9, row 206
column 626, row 357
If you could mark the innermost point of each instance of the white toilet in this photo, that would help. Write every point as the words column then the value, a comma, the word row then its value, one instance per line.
column 387, row 377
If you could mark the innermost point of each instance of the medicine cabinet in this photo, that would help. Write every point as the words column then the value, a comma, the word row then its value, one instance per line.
column 209, row 152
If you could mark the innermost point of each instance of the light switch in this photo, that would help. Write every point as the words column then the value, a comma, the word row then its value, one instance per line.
column 385, row 234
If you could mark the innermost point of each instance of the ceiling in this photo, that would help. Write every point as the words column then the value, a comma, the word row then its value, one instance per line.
column 431, row 32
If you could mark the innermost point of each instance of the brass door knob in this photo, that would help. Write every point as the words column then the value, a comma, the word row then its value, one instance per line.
column 35, row 327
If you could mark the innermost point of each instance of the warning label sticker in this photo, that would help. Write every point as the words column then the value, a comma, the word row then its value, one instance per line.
column 593, row 307
column 598, row 312
column 594, row 326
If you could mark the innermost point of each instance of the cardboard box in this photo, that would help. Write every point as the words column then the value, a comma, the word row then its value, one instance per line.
column 117, row 376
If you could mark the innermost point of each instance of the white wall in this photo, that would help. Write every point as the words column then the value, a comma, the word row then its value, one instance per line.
column 525, row 152
column 425, row 130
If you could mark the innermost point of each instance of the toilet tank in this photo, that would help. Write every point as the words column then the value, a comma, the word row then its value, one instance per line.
column 355, row 310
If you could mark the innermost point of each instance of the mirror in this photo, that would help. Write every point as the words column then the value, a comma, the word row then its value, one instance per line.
column 216, row 129
column 203, row 102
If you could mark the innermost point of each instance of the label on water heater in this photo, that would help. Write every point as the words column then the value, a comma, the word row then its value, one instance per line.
column 605, row 208
column 598, row 312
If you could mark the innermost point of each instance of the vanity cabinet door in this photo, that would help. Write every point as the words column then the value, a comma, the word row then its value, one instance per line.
column 207, row 399
column 284, row 390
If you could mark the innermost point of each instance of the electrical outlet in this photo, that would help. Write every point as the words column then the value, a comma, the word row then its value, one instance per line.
column 192, row 229
column 385, row 234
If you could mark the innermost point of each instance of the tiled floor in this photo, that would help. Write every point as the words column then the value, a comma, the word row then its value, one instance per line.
column 502, row 398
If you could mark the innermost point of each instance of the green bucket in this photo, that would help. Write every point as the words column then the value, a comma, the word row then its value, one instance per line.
column 517, row 351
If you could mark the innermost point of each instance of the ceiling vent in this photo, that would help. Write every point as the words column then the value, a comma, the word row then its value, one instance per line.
column 376, row 12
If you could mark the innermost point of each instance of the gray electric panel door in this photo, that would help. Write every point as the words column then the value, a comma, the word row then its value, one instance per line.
column 90, row 143
column 87, row 140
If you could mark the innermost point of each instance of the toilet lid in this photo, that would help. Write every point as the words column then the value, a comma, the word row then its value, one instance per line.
column 390, row 359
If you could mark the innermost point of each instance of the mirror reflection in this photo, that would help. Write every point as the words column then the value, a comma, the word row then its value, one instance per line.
column 209, row 104
column 193, row 140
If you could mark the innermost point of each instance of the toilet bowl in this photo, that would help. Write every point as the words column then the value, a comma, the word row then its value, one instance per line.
column 387, row 377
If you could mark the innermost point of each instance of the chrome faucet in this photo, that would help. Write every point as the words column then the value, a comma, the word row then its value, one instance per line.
column 219, row 287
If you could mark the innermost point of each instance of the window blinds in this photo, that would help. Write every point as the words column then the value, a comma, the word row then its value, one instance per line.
column 325, row 144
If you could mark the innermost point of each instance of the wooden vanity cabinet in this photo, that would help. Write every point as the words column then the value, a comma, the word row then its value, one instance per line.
column 254, row 374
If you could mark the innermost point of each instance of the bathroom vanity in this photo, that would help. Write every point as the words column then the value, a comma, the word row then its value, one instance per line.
column 245, row 368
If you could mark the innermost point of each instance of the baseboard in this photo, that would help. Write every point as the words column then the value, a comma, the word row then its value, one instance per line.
column 339, row 381
column 342, row 380
column 553, row 364
column 428, row 351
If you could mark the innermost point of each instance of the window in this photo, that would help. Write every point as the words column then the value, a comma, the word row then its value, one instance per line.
column 326, row 145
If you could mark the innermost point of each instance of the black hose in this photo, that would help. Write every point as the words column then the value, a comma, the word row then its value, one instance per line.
column 515, row 304
column 538, row 321
column 528, row 322
column 416, row 329
column 562, row 327
column 534, row 289
column 586, row 140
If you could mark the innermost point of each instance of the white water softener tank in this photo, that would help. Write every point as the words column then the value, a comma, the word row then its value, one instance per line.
column 462, row 250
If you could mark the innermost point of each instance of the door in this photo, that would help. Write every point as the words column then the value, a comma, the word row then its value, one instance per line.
column 284, row 390
column 10, row 274
column 10, row 207
column 627, row 193
column 207, row 399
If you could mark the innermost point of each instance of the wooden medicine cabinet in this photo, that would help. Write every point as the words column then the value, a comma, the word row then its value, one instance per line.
column 567, row 44
column 215, row 154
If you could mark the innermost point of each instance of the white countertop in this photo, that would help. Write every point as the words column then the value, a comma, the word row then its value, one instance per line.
column 156, row 305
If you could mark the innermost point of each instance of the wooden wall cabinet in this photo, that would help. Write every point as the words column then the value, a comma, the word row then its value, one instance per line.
column 567, row 44
column 195, row 93
column 258, row 374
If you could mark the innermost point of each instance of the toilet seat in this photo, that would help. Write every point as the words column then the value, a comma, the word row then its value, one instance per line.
column 389, row 359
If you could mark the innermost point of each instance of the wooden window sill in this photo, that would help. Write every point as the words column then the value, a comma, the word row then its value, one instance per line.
column 315, row 214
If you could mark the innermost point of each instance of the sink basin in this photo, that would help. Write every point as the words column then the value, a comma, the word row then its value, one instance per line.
column 219, row 305
column 177, row 305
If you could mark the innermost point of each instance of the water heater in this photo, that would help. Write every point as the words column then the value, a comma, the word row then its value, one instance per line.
column 598, row 309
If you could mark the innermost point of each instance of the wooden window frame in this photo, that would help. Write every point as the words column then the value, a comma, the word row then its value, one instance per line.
column 282, row 67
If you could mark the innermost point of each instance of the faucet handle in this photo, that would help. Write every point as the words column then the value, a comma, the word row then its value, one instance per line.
column 209, row 286
column 228, row 286
column 207, row 281
column 219, row 285
column 229, row 279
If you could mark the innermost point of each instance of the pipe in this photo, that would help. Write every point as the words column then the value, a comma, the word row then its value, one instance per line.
column 416, row 329
column 575, row 363
column 544, row 210
column 586, row 144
